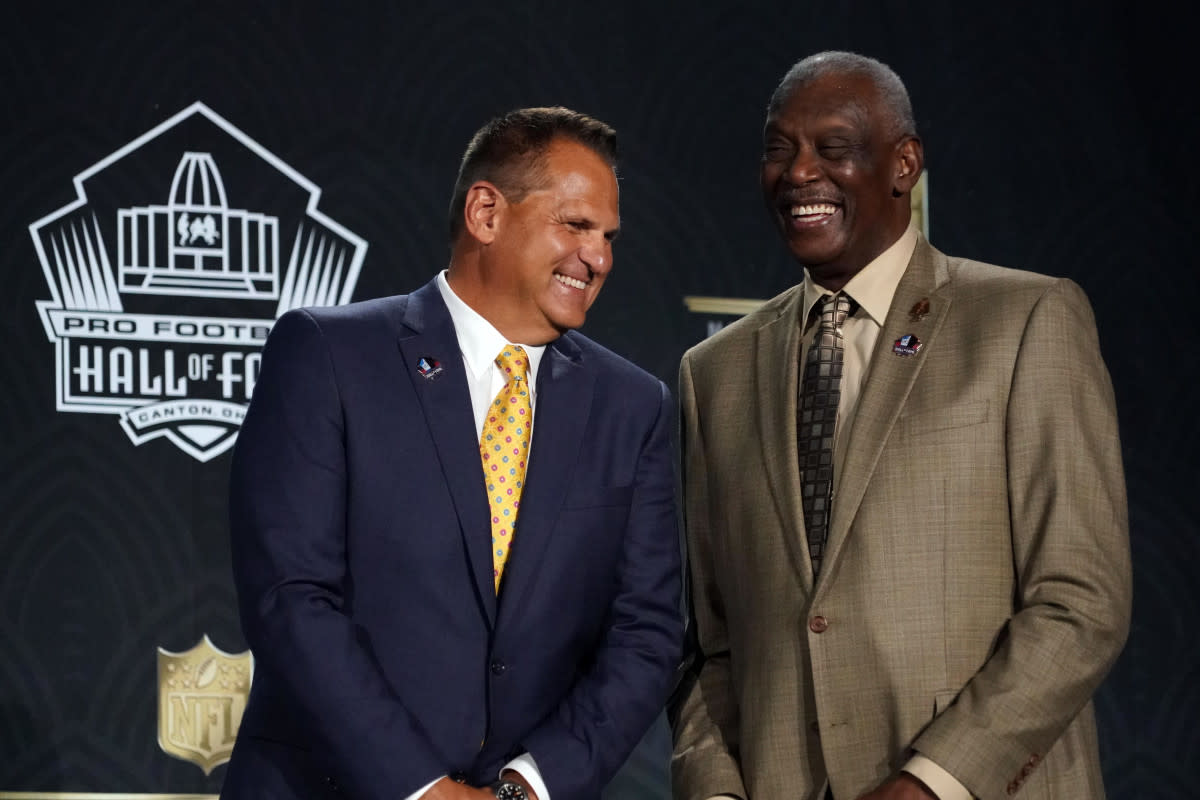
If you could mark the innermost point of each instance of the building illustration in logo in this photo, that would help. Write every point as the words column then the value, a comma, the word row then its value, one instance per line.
column 197, row 244
column 163, row 290
column 202, row 695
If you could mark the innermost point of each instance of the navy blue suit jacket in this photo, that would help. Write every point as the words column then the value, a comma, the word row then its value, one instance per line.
column 362, row 559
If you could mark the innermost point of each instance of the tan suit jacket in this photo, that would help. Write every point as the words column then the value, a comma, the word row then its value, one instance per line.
column 976, row 587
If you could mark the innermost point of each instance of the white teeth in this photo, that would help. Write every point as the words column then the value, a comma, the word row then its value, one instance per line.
column 817, row 208
column 572, row 282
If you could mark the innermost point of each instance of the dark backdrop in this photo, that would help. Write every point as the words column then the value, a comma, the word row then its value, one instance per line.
column 1059, row 138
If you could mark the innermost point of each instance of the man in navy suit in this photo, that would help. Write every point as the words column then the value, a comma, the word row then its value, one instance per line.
column 395, row 658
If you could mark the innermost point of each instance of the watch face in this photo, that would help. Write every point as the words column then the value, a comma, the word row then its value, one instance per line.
column 507, row 790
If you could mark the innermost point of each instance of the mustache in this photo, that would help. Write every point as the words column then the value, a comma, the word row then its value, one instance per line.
column 800, row 197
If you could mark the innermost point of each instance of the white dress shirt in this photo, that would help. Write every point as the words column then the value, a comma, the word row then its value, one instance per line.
column 480, row 343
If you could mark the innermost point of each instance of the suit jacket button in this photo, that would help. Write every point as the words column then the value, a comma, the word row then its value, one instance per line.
column 498, row 667
column 818, row 624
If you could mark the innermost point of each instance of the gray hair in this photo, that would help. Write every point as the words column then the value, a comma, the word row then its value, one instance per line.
column 886, row 81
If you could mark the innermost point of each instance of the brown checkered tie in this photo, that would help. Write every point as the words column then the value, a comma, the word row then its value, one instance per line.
column 820, row 391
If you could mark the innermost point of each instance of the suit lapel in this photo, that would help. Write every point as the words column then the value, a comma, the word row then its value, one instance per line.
column 776, row 374
column 446, row 403
column 560, row 417
column 888, row 384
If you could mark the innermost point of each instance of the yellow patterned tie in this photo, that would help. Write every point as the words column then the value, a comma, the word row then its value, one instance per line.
column 504, row 446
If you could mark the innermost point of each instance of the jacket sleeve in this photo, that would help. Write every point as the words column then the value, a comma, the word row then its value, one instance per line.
column 705, row 762
column 581, row 745
column 288, row 512
column 1070, row 550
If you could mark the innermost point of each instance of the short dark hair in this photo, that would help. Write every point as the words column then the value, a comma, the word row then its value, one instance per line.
column 509, row 152
column 886, row 81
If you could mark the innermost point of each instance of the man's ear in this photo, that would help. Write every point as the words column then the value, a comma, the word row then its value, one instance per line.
column 910, row 160
column 483, row 210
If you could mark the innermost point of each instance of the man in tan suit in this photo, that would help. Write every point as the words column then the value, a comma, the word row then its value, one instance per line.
column 940, row 631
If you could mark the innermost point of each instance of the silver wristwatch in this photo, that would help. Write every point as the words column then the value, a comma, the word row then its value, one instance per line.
column 507, row 790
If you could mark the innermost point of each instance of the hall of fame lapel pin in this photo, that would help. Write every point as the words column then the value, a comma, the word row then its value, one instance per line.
column 906, row 345
column 429, row 367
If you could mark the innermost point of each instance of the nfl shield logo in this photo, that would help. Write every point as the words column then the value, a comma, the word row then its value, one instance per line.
column 201, row 698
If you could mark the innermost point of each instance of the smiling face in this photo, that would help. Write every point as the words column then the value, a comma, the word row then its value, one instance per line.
column 835, row 174
column 550, row 253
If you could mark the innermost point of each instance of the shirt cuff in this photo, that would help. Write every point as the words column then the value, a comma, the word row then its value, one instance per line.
column 527, row 767
column 944, row 785
column 420, row 792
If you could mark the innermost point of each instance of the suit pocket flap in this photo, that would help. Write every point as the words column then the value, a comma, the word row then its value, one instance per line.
column 599, row 496
column 960, row 415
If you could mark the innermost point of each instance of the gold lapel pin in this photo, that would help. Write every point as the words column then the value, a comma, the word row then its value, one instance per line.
column 919, row 310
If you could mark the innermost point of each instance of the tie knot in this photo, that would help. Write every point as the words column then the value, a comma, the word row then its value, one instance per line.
column 835, row 308
column 513, row 362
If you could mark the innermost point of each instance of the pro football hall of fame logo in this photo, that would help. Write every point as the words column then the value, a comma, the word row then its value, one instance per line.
column 168, row 270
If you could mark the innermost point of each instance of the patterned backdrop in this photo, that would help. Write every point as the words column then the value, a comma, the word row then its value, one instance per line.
column 320, row 140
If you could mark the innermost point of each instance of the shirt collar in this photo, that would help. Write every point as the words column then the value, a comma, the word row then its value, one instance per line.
column 478, row 339
column 875, row 284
